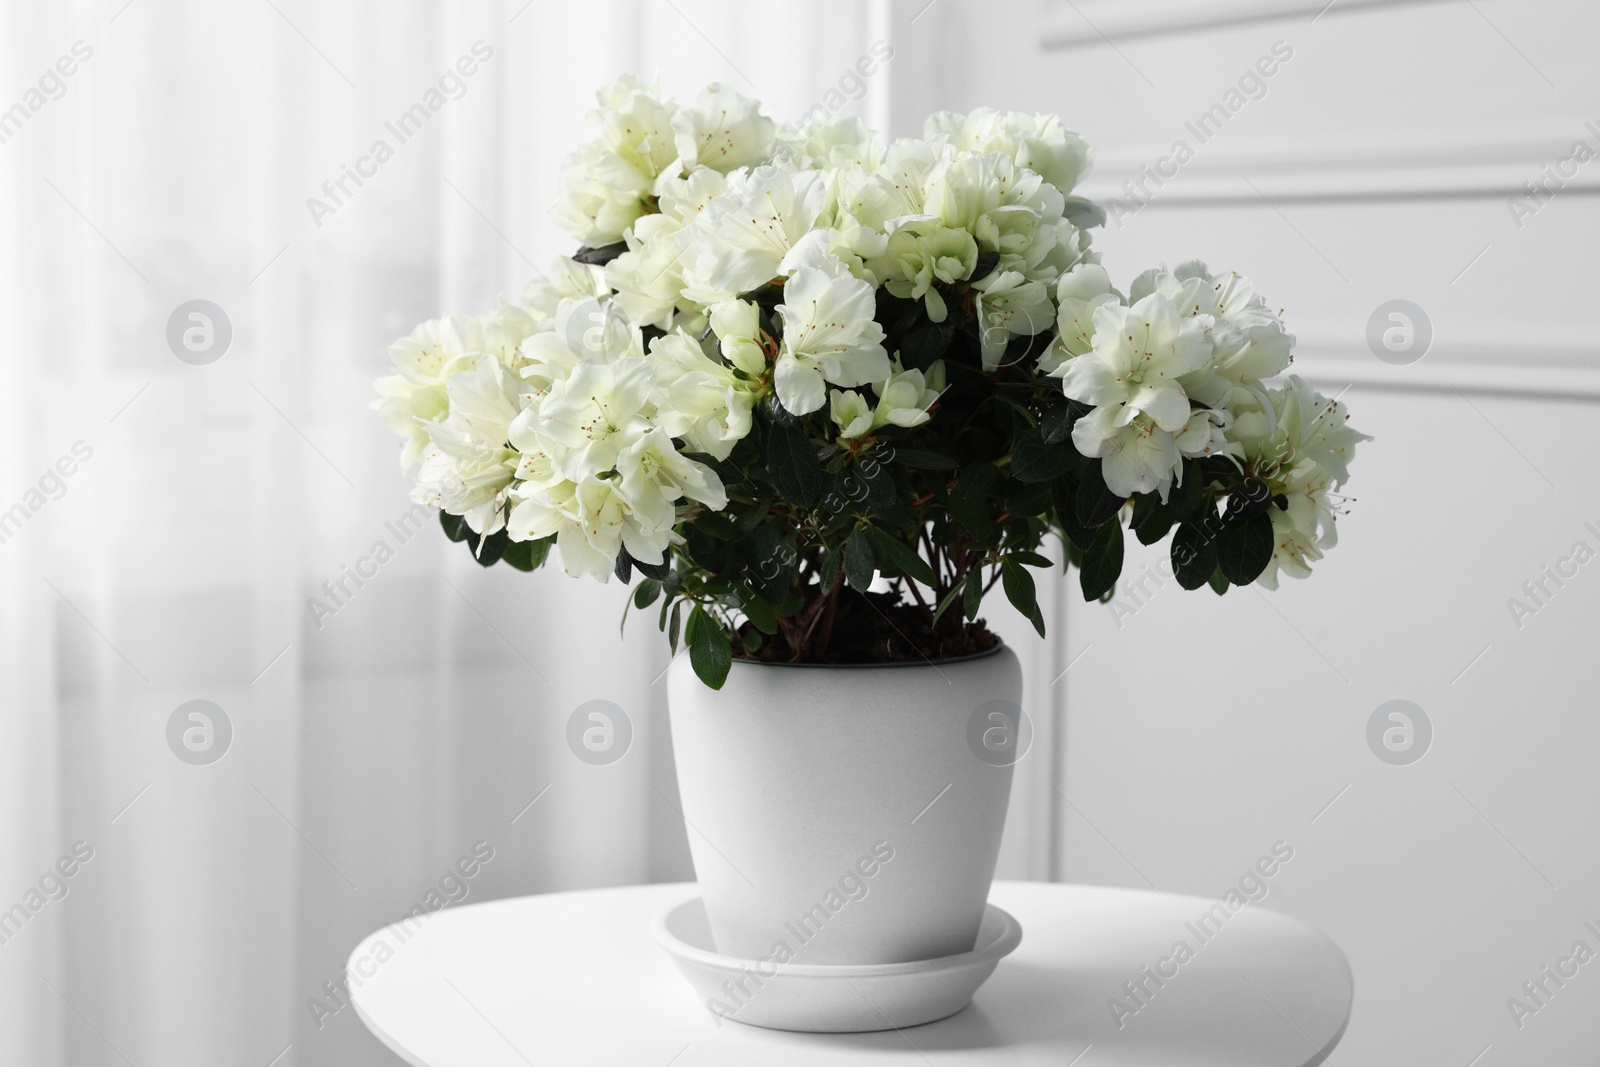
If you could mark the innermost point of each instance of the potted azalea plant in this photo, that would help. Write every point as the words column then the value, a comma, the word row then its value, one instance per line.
column 817, row 396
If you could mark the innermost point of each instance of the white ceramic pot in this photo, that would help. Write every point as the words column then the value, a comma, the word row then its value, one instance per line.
column 846, row 814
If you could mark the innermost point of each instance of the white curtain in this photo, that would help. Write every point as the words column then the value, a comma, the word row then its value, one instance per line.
column 373, row 746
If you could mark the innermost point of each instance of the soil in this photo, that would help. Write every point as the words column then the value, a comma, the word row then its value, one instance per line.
column 874, row 628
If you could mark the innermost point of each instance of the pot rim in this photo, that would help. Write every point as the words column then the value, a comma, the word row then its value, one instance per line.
column 999, row 644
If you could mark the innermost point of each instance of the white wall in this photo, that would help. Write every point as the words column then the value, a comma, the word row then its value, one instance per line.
column 1196, row 731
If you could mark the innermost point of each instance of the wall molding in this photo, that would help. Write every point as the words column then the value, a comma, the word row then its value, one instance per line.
column 1477, row 165
column 1087, row 24
column 1550, row 371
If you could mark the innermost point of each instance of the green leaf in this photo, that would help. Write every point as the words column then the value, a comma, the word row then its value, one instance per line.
column 1036, row 460
column 1057, row 421
column 1244, row 548
column 1194, row 553
column 1219, row 584
column 488, row 550
column 658, row 571
column 890, row 551
column 716, row 524
column 600, row 255
column 794, row 466
column 828, row 566
column 455, row 526
column 623, row 568
column 859, row 487
column 859, row 562
column 647, row 593
column 1097, row 504
column 672, row 626
column 985, row 265
column 527, row 555
column 1249, row 500
column 972, row 595
column 1032, row 559
column 1153, row 525
column 927, row 341
column 763, row 615
column 709, row 650
column 1102, row 563
column 879, row 481
column 1187, row 499
column 921, row 459
column 969, row 503
column 1064, row 491
column 1018, row 584
column 949, row 598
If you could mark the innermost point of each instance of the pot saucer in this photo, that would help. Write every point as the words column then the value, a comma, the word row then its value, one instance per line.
column 830, row 998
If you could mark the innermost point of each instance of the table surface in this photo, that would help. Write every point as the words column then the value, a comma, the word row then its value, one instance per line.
column 575, row 978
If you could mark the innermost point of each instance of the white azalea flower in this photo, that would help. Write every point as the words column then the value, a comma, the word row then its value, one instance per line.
column 922, row 253
column 415, row 396
column 850, row 412
column 723, row 131
column 590, row 524
column 1009, row 305
column 829, row 335
column 897, row 190
column 593, row 212
column 606, row 184
column 737, row 324
column 1137, row 357
column 581, row 331
column 1249, row 343
column 564, row 279
column 906, row 395
column 826, row 246
column 743, row 235
column 1136, row 456
column 1038, row 142
column 634, row 507
column 585, row 422
column 1298, row 442
column 1001, row 205
column 648, row 277
column 504, row 329
column 707, row 406
column 654, row 477
column 1131, row 376
column 1205, row 435
column 831, row 144
column 468, row 465
column 638, row 129
column 1078, row 294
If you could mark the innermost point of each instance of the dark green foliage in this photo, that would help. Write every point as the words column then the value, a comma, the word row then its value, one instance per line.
column 944, row 512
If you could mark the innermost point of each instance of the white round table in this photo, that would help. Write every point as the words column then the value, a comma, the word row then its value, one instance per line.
column 574, row 978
